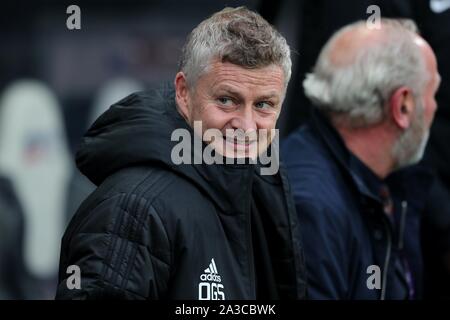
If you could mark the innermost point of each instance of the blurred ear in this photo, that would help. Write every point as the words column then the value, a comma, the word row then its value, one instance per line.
column 401, row 107
column 182, row 95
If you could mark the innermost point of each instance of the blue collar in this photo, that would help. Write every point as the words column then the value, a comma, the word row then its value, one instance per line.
column 413, row 182
column 365, row 180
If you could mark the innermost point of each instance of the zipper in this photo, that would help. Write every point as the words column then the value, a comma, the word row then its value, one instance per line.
column 386, row 260
column 251, row 264
column 404, row 205
column 401, row 234
column 402, row 224
column 248, row 217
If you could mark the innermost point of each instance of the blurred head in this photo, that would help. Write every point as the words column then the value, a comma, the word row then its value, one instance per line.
column 233, row 75
column 383, row 77
column 411, row 144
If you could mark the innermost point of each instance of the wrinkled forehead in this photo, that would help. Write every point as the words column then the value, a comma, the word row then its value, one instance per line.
column 225, row 74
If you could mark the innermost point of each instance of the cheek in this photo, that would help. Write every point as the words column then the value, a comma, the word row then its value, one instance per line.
column 431, row 104
column 213, row 117
column 431, row 110
column 266, row 122
column 428, row 116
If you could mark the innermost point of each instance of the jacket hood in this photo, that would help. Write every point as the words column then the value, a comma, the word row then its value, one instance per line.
column 137, row 130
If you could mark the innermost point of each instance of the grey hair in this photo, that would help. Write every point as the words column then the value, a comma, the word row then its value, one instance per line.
column 238, row 36
column 358, row 92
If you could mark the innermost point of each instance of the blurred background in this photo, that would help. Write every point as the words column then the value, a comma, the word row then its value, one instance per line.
column 54, row 82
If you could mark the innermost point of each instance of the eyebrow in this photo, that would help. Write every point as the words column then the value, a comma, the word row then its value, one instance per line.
column 231, row 91
column 269, row 96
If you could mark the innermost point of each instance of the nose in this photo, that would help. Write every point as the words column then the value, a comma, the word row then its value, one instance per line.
column 244, row 120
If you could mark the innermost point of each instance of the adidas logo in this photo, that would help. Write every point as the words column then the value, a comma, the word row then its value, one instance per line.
column 210, row 287
column 211, row 273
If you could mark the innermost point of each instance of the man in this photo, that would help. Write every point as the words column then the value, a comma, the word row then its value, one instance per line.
column 316, row 21
column 158, row 228
column 433, row 17
column 374, row 94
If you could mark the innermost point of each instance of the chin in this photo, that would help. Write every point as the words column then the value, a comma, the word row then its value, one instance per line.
column 418, row 154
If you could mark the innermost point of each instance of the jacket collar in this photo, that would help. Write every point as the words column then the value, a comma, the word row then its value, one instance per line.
column 411, row 183
column 364, row 179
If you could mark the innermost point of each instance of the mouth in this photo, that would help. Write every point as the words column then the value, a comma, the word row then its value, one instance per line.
column 239, row 142
column 240, row 147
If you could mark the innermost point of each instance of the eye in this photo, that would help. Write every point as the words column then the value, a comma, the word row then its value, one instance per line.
column 263, row 105
column 225, row 101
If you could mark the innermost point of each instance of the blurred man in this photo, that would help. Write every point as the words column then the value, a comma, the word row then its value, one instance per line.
column 374, row 91
column 158, row 228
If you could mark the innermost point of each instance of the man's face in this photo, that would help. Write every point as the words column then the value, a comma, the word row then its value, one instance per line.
column 411, row 145
column 239, row 102
column 414, row 140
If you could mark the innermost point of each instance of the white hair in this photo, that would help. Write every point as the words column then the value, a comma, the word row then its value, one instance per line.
column 238, row 36
column 358, row 91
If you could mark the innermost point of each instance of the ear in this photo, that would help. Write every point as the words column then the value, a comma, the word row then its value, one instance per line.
column 182, row 95
column 401, row 107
